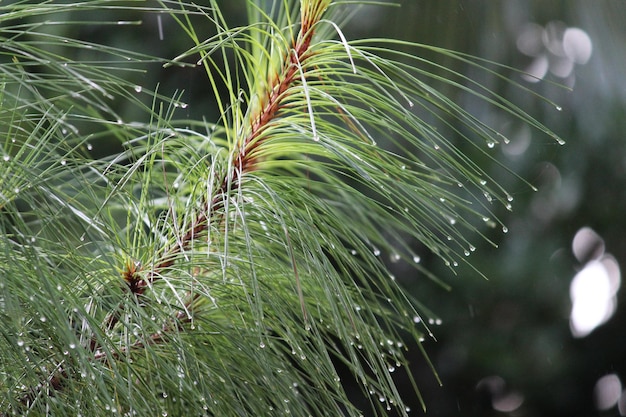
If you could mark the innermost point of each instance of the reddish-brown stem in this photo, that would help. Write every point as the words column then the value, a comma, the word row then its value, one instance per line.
column 56, row 380
column 181, row 318
column 242, row 161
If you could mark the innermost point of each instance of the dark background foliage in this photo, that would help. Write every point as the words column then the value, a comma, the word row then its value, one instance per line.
column 504, row 345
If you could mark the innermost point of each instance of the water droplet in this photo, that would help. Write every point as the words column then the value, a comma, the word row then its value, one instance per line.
column 376, row 252
column 505, row 229
column 403, row 167
column 394, row 257
column 558, row 108
column 20, row 343
column 416, row 259
column 452, row 221
column 411, row 104
column 184, row 105
column 89, row 147
column 491, row 144
column 437, row 147
column 509, row 197
column 43, row 319
column 483, row 182
column 466, row 253
column 6, row 158
column 416, row 319
column 353, row 252
column 72, row 345
column 63, row 162
column 391, row 368
column 262, row 345
column 138, row 88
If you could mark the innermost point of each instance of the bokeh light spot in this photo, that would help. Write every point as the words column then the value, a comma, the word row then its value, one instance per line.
column 554, row 48
column 607, row 391
column 577, row 45
column 587, row 245
column 594, row 288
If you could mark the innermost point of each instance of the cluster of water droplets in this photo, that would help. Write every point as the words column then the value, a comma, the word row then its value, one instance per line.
column 467, row 252
column 395, row 257
column 389, row 402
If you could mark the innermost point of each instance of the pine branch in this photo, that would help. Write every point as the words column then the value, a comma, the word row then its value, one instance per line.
column 250, row 249
column 138, row 279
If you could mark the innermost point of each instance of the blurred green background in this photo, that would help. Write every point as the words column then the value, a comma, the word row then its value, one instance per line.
column 509, row 345
column 513, row 345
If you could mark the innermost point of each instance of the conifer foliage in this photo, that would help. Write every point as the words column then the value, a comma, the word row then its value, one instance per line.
column 225, row 267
